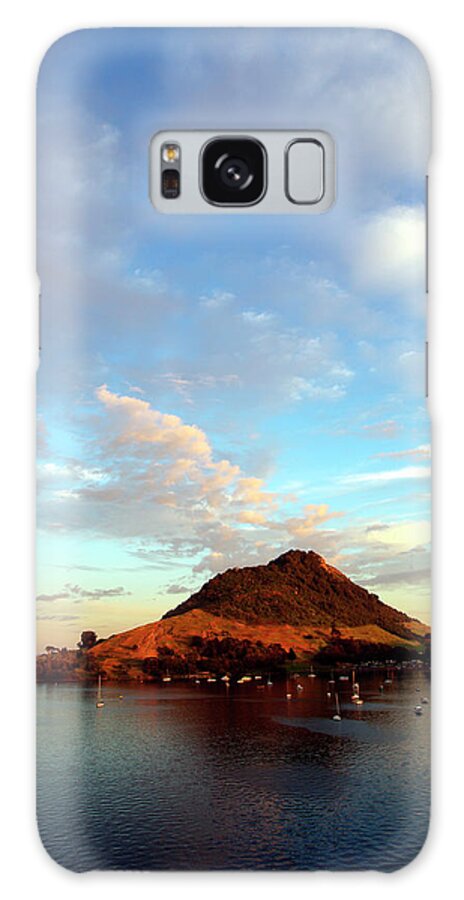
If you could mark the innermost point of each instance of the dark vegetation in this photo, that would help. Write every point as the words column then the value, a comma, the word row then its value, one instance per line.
column 68, row 665
column 220, row 656
column 349, row 650
column 57, row 665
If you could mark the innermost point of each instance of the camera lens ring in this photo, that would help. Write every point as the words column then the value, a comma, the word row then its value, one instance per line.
column 233, row 171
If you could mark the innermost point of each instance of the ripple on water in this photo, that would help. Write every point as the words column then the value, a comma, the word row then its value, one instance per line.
column 176, row 778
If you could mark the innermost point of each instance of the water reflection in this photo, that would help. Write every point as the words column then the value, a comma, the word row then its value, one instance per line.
column 210, row 777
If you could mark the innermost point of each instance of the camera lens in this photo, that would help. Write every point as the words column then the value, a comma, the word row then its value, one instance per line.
column 233, row 171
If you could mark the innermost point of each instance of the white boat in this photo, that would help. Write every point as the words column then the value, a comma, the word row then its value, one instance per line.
column 288, row 695
column 424, row 699
column 355, row 688
column 299, row 687
column 100, row 701
column 211, row 679
column 337, row 717
column 312, row 673
column 269, row 682
column 418, row 710
column 167, row 678
column 355, row 694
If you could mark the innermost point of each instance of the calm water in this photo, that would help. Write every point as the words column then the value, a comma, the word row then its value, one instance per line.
column 209, row 777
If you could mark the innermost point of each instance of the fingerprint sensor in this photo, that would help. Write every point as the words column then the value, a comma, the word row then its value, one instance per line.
column 304, row 177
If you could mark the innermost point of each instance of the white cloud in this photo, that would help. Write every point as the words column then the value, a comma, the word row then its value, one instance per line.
column 405, row 535
column 386, row 429
column 423, row 451
column 217, row 299
column 49, row 471
column 77, row 594
column 411, row 370
column 151, row 281
column 187, row 386
column 313, row 517
column 138, row 422
column 409, row 472
column 256, row 318
column 303, row 388
column 388, row 251
column 250, row 492
column 252, row 517
column 162, row 484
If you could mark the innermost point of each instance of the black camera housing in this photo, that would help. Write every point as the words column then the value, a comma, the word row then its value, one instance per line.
column 233, row 171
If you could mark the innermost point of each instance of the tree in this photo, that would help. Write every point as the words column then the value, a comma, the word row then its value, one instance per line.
column 87, row 641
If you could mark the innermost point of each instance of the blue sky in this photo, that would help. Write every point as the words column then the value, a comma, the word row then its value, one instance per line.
column 213, row 392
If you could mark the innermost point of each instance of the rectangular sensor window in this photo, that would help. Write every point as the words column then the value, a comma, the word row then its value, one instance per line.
column 305, row 171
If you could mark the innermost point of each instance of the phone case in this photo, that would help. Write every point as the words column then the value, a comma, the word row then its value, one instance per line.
column 233, row 464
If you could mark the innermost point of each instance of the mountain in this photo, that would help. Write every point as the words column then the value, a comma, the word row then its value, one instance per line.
column 257, row 617
column 297, row 588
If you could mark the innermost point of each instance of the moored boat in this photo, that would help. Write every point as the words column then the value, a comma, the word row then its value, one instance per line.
column 100, row 702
